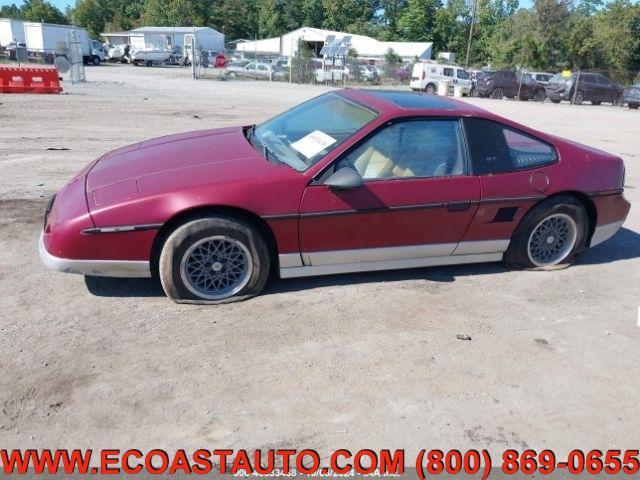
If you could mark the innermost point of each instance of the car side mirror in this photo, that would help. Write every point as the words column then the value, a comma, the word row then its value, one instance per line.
column 344, row 179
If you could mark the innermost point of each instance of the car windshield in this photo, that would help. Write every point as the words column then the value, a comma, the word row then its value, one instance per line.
column 300, row 137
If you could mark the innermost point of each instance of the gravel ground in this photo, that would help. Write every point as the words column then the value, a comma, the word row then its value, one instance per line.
column 355, row 361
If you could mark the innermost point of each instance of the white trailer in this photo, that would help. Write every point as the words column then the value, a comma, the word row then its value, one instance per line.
column 49, row 40
column 11, row 31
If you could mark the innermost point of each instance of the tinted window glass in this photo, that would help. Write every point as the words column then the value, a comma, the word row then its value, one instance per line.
column 417, row 148
column 462, row 74
column 447, row 72
column 497, row 149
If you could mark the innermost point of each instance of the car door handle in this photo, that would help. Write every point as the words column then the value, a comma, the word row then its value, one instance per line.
column 459, row 206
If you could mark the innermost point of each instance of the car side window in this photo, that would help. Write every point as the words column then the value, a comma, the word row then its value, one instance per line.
column 495, row 148
column 410, row 149
column 447, row 72
column 463, row 75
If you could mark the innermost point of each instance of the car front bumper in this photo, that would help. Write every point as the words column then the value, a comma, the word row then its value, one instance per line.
column 99, row 268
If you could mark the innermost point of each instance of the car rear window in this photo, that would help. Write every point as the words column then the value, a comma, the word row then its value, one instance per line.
column 496, row 148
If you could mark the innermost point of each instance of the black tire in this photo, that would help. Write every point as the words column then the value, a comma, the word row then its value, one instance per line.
column 578, row 98
column 497, row 94
column 149, row 63
column 96, row 60
column 634, row 106
column 183, row 238
column 595, row 102
column 554, row 100
column 517, row 255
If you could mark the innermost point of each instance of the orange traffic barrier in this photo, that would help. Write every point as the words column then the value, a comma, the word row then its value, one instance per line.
column 29, row 80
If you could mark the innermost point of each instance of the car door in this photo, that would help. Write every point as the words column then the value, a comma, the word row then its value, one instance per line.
column 417, row 199
column 608, row 91
column 511, row 168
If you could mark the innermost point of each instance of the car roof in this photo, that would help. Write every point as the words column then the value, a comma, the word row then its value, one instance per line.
column 386, row 101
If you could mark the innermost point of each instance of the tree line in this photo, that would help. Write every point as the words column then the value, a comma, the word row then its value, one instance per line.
column 549, row 35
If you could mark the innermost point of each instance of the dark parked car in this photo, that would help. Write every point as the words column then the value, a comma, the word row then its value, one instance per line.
column 592, row 87
column 505, row 83
column 631, row 96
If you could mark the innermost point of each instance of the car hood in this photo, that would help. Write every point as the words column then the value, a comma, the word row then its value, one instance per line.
column 171, row 162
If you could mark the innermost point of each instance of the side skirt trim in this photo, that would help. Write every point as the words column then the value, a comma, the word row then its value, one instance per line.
column 313, row 270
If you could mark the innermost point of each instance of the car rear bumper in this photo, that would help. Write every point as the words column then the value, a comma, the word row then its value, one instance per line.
column 555, row 95
column 612, row 213
column 100, row 268
column 605, row 232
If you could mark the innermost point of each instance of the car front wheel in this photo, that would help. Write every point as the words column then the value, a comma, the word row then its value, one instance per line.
column 214, row 260
column 551, row 234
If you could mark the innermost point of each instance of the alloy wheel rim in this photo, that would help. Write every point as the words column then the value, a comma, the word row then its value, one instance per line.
column 216, row 267
column 552, row 240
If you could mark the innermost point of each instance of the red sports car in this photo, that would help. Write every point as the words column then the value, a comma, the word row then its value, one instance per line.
column 350, row 181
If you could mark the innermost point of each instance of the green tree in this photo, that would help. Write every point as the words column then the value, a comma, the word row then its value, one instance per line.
column 312, row 13
column 418, row 19
column 391, row 62
column 165, row 13
column 42, row 11
column 553, row 18
column 514, row 42
column 90, row 14
column 451, row 27
column 271, row 21
column 10, row 11
column 235, row 18
column 353, row 16
column 390, row 13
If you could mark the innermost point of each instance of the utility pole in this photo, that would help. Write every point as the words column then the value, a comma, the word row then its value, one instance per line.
column 473, row 20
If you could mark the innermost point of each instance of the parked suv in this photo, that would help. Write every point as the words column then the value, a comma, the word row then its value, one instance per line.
column 631, row 96
column 542, row 77
column 506, row 83
column 426, row 76
column 592, row 87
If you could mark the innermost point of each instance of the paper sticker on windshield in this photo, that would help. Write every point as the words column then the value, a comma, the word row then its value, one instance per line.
column 313, row 144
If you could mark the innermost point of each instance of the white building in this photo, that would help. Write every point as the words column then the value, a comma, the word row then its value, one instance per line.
column 367, row 47
column 171, row 37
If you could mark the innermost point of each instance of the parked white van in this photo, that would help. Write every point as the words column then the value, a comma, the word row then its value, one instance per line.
column 426, row 76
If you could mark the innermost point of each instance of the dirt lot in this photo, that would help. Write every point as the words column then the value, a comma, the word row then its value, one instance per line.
column 350, row 361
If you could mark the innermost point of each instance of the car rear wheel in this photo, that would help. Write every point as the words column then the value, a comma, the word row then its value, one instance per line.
column 551, row 234
column 214, row 260
column 578, row 98
column 149, row 63
column 497, row 94
column 634, row 106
